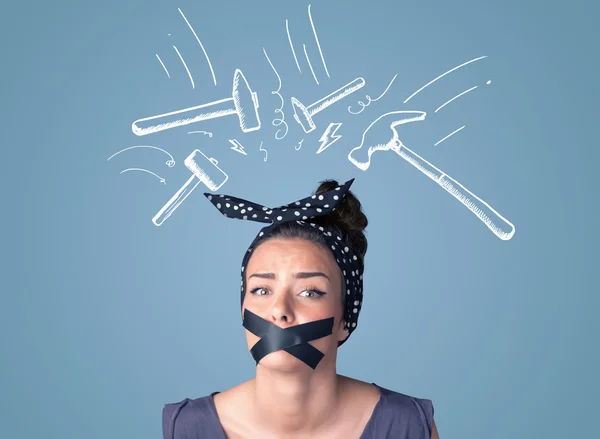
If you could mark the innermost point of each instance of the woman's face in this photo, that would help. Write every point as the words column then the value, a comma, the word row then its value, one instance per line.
column 290, row 281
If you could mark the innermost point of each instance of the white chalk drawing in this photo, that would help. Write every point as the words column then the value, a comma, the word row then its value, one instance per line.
column 455, row 97
column 243, row 103
column 278, row 120
column 329, row 137
column 186, row 67
column 163, row 65
column 170, row 163
column 206, row 133
column 441, row 76
column 162, row 180
column 489, row 82
column 287, row 28
column 317, row 40
column 451, row 134
column 237, row 146
column 260, row 148
column 369, row 100
column 310, row 64
column 299, row 145
column 372, row 142
column 201, row 46
column 304, row 114
column 204, row 170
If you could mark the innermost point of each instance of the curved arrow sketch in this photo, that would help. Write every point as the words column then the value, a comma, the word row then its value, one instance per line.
column 162, row 180
column 169, row 163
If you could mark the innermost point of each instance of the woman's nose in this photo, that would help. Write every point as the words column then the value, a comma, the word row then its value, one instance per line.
column 282, row 311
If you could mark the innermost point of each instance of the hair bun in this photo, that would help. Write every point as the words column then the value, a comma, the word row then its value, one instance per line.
column 348, row 216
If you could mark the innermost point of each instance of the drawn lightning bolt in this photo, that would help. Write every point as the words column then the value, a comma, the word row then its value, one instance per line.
column 329, row 137
column 237, row 146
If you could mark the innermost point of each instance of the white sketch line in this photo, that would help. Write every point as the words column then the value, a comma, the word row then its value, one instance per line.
column 455, row 97
column 206, row 133
column 317, row 40
column 260, row 148
column 204, row 170
column 243, row 103
column 373, row 141
column 237, row 146
column 369, row 100
column 297, row 147
column 287, row 28
column 163, row 65
column 329, row 137
column 310, row 65
column 451, row 134
column 201, row 46
column 442, row 75
column 169, row 163
column 186, row 67
column 278, row 121
column 162, row 180
column 304, row 115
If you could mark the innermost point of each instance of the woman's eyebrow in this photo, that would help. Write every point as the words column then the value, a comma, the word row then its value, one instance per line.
column 298, row 275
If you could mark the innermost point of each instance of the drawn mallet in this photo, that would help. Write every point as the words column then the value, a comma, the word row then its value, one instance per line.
column 204, row 170
column 244, row 103
column 304, row 115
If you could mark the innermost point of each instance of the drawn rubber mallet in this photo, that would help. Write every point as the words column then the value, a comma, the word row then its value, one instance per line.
column 304, row 115
column 204, row 170
column 244, row 103
column 372, row 141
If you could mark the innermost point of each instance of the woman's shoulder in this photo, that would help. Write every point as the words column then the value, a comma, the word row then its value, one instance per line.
column 190, row 416
column 404, row 410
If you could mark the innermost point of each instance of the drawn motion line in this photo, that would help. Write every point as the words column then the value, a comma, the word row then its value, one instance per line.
column 441, row 76
column 162, row 180
column 260, row 148
column 169, row 163
column 455, row 97
column 201, row 46
column 451, row 134
column 206, row 133
column 369, row 100
column 310, row 64
column 186, row 67
column 372, row 141
column 317, row 40
column 163, row 65
column 278, row 121
column 287, row 28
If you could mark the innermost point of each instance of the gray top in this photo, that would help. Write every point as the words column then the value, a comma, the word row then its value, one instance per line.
column 396, row 416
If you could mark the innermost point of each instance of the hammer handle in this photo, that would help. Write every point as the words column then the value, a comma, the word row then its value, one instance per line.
column 176, row 200
column 499, row 225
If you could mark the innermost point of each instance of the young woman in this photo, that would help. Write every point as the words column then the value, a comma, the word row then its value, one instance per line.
column 301, row 295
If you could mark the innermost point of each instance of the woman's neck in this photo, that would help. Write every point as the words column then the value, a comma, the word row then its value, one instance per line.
column 295, row 403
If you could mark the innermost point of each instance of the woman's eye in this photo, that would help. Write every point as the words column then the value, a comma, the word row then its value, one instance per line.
column 312, row 293
column 260, row 291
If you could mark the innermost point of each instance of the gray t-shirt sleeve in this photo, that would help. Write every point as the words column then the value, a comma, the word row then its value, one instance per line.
column 191, row 419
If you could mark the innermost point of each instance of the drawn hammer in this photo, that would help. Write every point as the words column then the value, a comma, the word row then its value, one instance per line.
column 372, row 142
column 244, row 103
column 204, row 170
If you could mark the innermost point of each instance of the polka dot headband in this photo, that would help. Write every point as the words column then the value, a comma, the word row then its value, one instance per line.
column 302, row 212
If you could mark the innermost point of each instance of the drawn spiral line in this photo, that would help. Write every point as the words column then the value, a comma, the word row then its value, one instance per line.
column 278, row 121
column 363, row 105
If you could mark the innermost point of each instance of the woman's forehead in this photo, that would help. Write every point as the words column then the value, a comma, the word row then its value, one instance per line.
column 284, row 252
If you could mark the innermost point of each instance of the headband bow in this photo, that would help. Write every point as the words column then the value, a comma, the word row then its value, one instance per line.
column 302, row 212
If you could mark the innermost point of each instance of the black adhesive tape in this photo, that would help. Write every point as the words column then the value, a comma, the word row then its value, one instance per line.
column 294, row 339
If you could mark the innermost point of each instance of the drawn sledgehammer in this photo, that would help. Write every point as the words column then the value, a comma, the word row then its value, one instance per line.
column 499, row 225
column 213, row 179
column 304, row 115
column 244, row 103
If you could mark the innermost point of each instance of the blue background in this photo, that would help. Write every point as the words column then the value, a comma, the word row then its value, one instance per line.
column 105, row 317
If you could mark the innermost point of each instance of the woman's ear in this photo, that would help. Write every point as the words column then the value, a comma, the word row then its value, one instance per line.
column 342, row 332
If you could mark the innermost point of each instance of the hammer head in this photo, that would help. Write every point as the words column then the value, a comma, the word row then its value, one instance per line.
column 246, row 103
column 382, row 135
column 206, row 170
column 302, row 116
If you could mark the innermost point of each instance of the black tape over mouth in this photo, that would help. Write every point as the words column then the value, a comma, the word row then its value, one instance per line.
column 294, row 339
